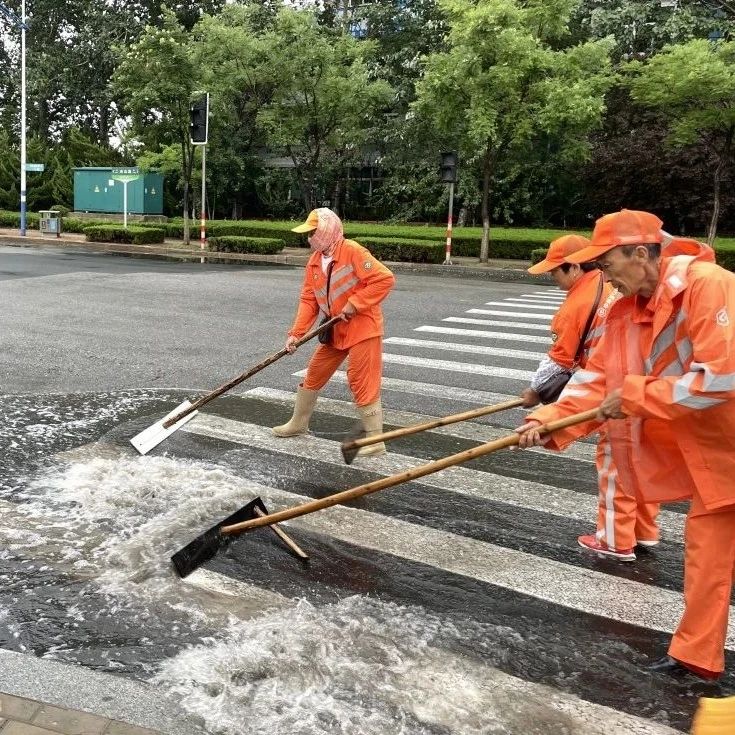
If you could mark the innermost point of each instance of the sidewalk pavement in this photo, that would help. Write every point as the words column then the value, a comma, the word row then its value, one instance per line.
column 39, row 696
column 20, row 716
column 462, row 267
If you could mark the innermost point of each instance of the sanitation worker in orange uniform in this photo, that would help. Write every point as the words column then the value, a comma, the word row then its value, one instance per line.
column 622, row 521
column 342, row 278
column 663, row 376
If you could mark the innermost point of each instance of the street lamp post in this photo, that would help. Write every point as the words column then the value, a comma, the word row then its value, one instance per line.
column 21, row 23
column 23, row 119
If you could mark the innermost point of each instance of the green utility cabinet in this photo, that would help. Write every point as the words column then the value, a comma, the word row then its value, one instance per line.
column 95, row 190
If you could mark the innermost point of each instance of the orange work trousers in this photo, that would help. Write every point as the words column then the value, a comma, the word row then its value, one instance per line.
column 709, row 565
column 622, row 519
column 364, row 368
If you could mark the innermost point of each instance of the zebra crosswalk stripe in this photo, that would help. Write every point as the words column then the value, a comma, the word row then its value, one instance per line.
column 430, row 390
column 526, row 494
column 496, row 312
column 465, row 348
column 462, row 430
column 515, row 305
column 495, row 323
column 585, row 590
column 484, row 334
column 458, row 367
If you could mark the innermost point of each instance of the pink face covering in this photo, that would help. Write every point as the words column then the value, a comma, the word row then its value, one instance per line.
column 329, row 232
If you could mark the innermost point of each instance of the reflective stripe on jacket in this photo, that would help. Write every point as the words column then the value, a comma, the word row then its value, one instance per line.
column 571, row 318
column 674, row 359
column 357, row 277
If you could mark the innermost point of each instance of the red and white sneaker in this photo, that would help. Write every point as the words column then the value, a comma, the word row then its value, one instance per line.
column 592, row 543
column 647, row 542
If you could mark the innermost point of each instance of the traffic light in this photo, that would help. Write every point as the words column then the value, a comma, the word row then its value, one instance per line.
column 199, row 120
column 449, row 167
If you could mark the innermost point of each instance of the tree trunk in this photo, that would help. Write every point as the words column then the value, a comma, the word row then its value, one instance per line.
column 486, row 175
column 723, row 157
column 462, row 217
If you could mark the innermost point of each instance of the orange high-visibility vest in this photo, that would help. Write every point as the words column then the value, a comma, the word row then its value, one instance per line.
column 673, row 357
column 357, row 277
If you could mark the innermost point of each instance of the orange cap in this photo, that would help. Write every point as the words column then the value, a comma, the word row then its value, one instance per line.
column 626, row 227
column 312, row 222
column 559, row 252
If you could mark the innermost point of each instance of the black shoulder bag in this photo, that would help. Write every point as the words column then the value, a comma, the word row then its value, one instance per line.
column 552, row 388
column 325, row 337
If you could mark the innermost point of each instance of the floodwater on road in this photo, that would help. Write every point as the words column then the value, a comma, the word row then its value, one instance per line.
column 87, row 529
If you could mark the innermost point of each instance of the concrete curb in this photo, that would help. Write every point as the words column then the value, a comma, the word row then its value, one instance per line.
column 508, row 272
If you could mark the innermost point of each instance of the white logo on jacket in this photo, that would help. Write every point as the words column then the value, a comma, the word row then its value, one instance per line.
column 367, row 265
column 722, row 318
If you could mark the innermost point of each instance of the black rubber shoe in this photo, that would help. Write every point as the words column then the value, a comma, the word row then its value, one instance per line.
column 672, row 667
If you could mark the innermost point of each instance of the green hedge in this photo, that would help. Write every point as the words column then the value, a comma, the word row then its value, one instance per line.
column 117, row 233
column 404, row 250
column 12, row 219
column 725, row 255
column 76, row 225
column 242, row 244
column 244, row 228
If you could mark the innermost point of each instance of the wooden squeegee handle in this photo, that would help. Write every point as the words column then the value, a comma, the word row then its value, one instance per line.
column 435, row 424
column 248, row 374
column 412, row 474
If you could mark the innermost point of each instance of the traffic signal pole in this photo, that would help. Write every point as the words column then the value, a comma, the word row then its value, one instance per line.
column 203, row 222
column 449, row 161
column 448, row 254
column 199, row 135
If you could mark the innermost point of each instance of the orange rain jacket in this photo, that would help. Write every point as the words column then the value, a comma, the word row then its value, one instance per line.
column 569, row 322
column 357, row 277
column 674, row 359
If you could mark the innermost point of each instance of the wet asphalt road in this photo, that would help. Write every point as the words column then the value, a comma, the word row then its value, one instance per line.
column 139, row 334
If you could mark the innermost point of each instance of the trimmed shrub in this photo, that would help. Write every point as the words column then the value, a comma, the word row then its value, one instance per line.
column 173, row 229
column 61, row 209
column 404, row 250
column 12, row 219
column 242, row 244
column 725, row 257
column 117, row 233
column 74, row 224
column 245, row 228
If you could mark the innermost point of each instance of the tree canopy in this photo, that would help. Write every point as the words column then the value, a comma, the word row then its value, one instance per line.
column 560, row 109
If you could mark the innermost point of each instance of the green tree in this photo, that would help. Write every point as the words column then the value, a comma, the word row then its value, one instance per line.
column 325, row 103
column 154, row 83
column 237, row 70
column 507, row 84
column 694, row 84
column 644, row 27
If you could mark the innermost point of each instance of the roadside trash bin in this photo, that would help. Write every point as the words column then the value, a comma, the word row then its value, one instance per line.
column 49, row 222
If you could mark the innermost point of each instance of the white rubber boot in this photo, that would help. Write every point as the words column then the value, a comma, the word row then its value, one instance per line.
column 372, row 422
column 302, row 410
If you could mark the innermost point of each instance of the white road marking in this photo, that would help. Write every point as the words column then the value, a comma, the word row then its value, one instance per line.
column 496, row 312
column 471, row 349
column 494, row 323
column 430, row 390
column 479, row 333
column 458, row 367
column 464, row 430
column 577, row 588
column 550, row 307
column 534, row 496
